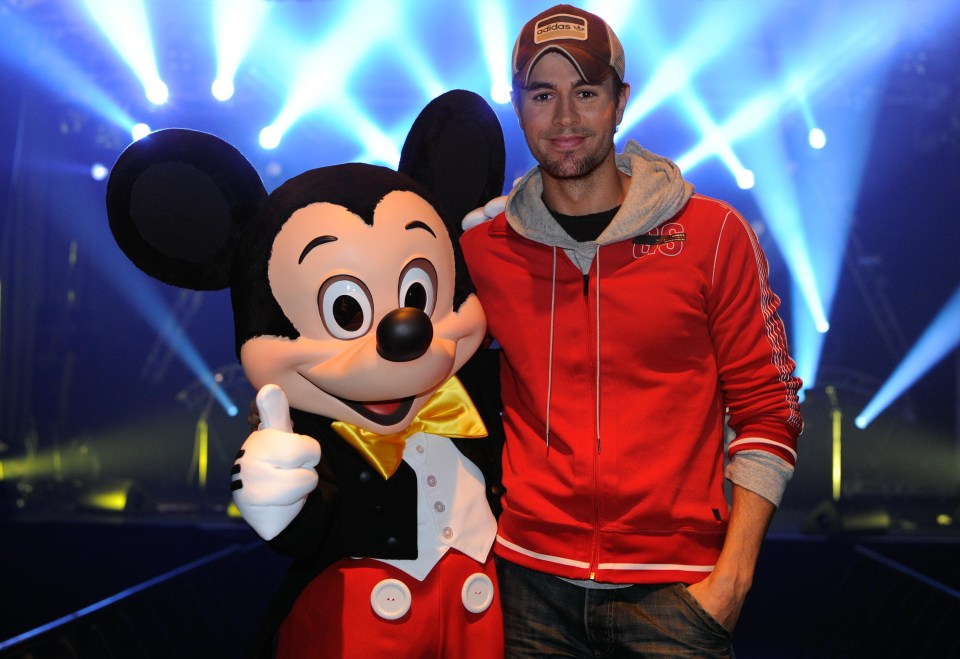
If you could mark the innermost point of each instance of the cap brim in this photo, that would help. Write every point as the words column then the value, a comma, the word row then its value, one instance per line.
column 590, row 68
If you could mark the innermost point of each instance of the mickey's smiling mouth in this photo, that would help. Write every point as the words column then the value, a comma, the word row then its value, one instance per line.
column 381, row 412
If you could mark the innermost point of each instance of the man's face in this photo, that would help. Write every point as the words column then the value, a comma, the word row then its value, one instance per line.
column 567, row 122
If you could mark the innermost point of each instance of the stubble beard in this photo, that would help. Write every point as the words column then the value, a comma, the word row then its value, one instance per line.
column 570, row 166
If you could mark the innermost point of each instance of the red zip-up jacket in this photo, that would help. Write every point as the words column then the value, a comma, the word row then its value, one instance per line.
column 615, row 387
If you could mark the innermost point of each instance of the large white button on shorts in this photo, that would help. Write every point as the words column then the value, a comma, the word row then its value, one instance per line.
column 390, row 599
column 477, row 593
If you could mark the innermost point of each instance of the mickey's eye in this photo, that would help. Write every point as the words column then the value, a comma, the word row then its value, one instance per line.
column 418, row 286
column 345, row 307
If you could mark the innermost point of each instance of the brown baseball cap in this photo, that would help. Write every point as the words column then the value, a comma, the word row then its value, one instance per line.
column 584, row 38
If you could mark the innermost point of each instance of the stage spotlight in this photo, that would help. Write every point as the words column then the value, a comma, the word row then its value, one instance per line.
column 222, row 89
column 495, row 47
column 122, row 496
column 139, row 131
column 99, row 171
column 270, row 137
column 817, row 138
column 745, row 179
column 235, row 22
column 126, row 26
column 500, row 93
column 229, row 408
column 939, row 339
column 156, row 91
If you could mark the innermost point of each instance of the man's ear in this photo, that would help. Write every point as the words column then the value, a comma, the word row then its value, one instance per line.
column 515, row 100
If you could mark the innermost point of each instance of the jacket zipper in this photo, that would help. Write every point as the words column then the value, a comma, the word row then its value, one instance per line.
column 595, row 552
column 595, row 557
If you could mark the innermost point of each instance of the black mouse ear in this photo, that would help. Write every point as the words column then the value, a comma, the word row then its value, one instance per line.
column 455, row 147
column 176, row 201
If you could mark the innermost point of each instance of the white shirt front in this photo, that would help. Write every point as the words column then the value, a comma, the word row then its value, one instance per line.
column 452, row 509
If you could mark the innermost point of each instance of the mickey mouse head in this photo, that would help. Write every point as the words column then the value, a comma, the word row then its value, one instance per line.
column 347, row 285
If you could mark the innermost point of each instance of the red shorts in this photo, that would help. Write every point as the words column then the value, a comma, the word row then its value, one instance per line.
column 361, row 608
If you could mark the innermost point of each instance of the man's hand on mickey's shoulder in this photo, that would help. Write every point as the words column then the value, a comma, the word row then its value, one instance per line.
column 489, row 210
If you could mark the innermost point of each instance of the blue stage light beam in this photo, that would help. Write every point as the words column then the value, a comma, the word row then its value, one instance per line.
column 754, row 114
column 806, row 342
column 782, row 209
column 421, row 69
column 54, row 71
column 939, row 339
column 235, row 24
column 816, row 137
column 377, row 147
column 825, row 186
column 809, row 203
column 126, row 26
column 698, row 113
column 855, row 45
column 322, row 72
column 82, row 220
column 497, row 51
column 717, row 30
column 775, row 194
column 673, row 78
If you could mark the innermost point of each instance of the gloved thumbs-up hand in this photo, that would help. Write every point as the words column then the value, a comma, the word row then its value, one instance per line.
column 274, row 470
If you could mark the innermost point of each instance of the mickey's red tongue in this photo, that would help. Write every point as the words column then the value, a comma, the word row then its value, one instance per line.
column 383, row 408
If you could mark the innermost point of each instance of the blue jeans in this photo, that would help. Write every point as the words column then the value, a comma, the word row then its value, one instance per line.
column 544, row 616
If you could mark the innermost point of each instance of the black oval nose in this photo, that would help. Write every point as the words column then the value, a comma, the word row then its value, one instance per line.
column 404, row 334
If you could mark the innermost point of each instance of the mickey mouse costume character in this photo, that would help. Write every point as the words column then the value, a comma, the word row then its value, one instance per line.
column 352, row 311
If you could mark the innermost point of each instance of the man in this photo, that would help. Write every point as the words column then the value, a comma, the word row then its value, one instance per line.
column 633, row 317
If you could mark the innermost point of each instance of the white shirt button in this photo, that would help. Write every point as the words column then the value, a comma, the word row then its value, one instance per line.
column 477, row 593
column 447, row 532
column 432, row 481
column 439, row 507
column 390, row 599
column 420, row 448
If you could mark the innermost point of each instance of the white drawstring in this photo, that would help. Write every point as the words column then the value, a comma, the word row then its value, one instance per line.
column 553, row 301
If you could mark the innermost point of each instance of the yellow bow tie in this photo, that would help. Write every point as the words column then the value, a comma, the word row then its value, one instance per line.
column 449, row 413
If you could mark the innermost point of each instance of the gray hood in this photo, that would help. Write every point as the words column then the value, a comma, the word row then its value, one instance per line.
column 657, row 193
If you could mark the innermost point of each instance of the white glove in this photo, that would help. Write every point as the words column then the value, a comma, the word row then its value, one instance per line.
column 480, row 215
column 492, row 208
column 274, row 471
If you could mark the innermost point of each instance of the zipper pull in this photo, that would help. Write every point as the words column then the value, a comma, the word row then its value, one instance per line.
column 586, row 285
